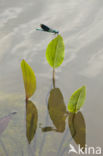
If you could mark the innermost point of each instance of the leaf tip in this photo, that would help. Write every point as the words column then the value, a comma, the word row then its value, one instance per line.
column 29, row 79
column 77, row 100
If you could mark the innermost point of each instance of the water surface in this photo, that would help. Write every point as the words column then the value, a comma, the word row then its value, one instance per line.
column 80, row 23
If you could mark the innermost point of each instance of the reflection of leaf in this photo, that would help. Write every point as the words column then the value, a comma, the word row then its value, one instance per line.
column 4, row 122
column 55, row 52
column 31, row 120
column 77, row 128
column 77, row 100
column 57, row 109
column 29, row 79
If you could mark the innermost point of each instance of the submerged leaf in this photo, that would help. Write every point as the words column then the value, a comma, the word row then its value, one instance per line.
column 77, row 100
column 77, row 127
column 31, row 120
column 29, row 79
column 55, row 52
column 57, row 111
column 4, row 122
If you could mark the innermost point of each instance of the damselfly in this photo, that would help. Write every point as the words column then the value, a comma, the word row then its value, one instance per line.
column 47, row 29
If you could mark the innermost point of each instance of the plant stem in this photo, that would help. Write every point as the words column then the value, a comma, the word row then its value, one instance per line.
column 53, row 78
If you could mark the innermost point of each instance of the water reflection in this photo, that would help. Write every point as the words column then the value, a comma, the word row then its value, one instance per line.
column 3, row 125
column 77, row 128
column 31, row 120
column 4, row 122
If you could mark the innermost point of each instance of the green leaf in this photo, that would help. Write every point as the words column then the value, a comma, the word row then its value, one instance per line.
column 77, row 100
column 29, row 79
column 31, row 120
column 77, row 127
column 55, row 52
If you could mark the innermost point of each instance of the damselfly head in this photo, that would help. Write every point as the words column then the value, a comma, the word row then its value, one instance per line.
column 44, row 27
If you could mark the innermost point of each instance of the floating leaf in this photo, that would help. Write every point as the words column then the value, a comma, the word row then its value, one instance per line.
column 31, row 120
column 77, row 128
column 55, row 52
column 77, row 100
column 57, row 111
column 29, row 79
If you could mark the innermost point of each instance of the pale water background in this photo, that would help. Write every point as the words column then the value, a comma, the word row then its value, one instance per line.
column 80, row 22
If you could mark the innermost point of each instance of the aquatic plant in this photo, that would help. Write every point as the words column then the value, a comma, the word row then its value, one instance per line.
column 55, row 52
column 77, row 99
column 55, row 55
column 31, row 120
column 29, row 79
column 77, row 128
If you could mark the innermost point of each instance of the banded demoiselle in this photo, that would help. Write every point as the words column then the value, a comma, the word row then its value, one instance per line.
column 47, row 29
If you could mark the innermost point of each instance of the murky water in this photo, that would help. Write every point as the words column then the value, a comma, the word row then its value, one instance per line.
column 80, row 23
